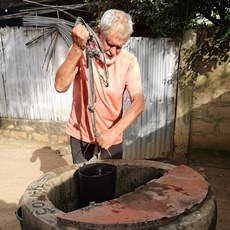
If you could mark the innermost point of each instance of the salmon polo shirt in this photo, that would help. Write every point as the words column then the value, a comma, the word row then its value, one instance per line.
column 124, row 74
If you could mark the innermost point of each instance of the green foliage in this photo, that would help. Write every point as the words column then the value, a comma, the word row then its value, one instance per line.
column 164, row 18
column 169, row 18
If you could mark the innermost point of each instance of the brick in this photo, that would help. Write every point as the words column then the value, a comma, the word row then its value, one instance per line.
column 40, row 137
column 200, row 126
column 225, row 97
column 59, row 139
column 200, row 113
column 210, row 141
column 10, row 127
column 18, row 134
column 5, row 133
column 28, row 128
column 225, row 127
column 219, row 112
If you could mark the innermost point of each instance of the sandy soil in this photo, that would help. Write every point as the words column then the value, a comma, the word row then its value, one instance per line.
column 22, row 162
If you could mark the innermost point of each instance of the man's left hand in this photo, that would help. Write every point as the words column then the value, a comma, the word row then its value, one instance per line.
column 107, row 138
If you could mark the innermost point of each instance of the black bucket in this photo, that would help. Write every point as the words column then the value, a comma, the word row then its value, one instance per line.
column 18, row 214
column 97, row 183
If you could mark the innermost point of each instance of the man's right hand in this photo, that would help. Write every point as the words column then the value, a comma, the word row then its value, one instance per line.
column 80, row 35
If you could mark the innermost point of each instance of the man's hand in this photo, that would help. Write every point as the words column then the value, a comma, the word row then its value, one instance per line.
column 107, row 138
column 80, row 35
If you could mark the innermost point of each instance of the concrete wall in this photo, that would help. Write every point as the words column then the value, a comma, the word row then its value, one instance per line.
column 203, row 109
column 52, row 132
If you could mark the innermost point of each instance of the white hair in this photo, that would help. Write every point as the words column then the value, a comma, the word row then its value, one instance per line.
column 118, row 20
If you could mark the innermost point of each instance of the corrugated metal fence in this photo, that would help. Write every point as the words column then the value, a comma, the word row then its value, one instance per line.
column 27, row 92
column 151, row 135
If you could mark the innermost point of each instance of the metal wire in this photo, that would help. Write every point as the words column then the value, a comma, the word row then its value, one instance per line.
column 52, row 25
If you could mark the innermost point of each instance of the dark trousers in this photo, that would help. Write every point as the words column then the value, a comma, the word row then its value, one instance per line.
column 83, row 151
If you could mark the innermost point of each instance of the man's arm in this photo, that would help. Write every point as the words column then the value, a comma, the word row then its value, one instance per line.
column 65, row 73
column 108, row 137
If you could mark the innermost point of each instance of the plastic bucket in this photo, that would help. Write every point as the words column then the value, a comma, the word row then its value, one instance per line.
column 18, row 214
column 97, row 183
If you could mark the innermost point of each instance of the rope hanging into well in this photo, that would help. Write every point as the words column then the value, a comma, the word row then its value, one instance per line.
column 91, row 55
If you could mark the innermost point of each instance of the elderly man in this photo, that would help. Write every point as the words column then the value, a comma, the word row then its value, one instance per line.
column 113, row 31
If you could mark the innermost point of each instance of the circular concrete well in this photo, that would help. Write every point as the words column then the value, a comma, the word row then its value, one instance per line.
column 148, row 195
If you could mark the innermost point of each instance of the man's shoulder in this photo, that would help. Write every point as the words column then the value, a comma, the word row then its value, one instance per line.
column 127, row 55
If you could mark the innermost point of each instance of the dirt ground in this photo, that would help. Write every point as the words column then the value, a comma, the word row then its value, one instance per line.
column 22, row 162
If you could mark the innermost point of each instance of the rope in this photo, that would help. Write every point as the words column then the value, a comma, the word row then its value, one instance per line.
column 91, row 55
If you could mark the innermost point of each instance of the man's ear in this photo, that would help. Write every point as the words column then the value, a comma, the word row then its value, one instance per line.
column 98, row 30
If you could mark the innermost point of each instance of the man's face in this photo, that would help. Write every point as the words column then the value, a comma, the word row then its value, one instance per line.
column 111, row 45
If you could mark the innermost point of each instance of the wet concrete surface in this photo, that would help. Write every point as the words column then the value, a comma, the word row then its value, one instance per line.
column 177, row 191
column 22, row 162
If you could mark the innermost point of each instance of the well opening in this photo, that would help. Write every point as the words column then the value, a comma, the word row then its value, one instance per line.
column 148, row 194
column 66, row 195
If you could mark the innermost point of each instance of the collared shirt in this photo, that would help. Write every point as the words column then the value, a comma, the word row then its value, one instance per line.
column 124, row 74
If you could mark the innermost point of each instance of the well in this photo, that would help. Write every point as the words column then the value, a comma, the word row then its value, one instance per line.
column 149, row 195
